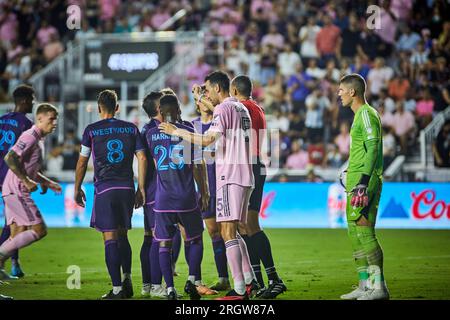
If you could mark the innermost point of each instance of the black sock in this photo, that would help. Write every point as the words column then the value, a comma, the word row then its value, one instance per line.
column 254, row 258
column 262, row 245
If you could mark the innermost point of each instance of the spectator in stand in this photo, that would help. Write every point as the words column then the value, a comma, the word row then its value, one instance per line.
column 378, row 77
column 298, row 88
column 44, row 33
column 333, row 156
column 424, row 109
column 160, row 16
column 299, row 158
column 287, row 61
column 316, row 152
column 15, row 50
column 389, row 146
column 268, row 63
column 316, row 105
column 398, row 87
column 236, row 57
column 109, row 9
column 388, row 28
column 273, row 38
column 385, row 99
column 371, row 45
column 342, row 140
column 350, row 39
column 404, row 126
column 196, row 73
column 327, row 40
column 308, row 36
column 360, row 67
column 273, row 95
column 387, row 118
column 441, row 147
column 408, row 40
column 297, row 129
column 8, row 24
column 314, row 71
column 53, row 48
column 70, row 150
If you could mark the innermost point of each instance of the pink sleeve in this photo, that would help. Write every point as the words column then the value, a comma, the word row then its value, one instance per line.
column 218, row 122
column 24, row 143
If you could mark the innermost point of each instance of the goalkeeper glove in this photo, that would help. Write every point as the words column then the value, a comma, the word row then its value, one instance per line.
column 360, row 198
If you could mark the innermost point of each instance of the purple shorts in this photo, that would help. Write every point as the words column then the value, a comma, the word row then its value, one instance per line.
column 165, row 224
column 113, row 210
column 211, row 211
column 149, row 217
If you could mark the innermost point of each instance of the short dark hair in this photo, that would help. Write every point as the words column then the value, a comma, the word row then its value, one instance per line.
column 356, row 82
column 167, row 91
column 169, row 105
column 243, row 85
column 149, row 104
column 23, row 91
column 107, row 99
column 46, row 107
column 220, row 78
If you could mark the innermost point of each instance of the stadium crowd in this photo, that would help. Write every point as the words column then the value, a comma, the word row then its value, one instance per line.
column 294, row 51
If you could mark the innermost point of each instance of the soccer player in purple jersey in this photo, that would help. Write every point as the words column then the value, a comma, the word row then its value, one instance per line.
column 234, row 177
column 175, row 199
column 113, row 143
column 24, row 160
column 12, row 125
column 201, row 125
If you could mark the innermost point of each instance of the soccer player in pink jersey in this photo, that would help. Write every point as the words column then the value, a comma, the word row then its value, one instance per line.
column 24, row 160
column 230, row 128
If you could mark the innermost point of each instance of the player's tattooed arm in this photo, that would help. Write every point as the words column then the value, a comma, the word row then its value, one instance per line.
column 195, row 138
column 142, row 172
column 80, row 171
column 14, row 163
column 201, row 178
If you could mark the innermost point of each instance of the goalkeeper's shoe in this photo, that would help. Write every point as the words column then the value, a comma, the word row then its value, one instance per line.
column 16, row 271
column 233, row 295
column 191, row 290
column 275, row 288
column 355, row 294
column 381, row 293
column 113, row 296
column 127, row 288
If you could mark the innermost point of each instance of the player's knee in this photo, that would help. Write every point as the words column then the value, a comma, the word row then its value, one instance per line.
column 214, row 234
column 165, row 244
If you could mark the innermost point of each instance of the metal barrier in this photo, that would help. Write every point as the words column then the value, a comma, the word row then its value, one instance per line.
column 427, row 137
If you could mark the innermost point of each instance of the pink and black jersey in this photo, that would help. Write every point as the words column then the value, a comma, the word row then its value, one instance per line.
column 208, row 154
column 233, row 154
column 174, row 158
column 12, row 125
column 113, row 144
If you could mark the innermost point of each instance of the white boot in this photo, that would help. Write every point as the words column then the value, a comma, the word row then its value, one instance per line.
column 355, row 294
column 379, row 292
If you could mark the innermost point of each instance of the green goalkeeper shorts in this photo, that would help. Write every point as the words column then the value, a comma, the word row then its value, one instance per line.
column 370, row 211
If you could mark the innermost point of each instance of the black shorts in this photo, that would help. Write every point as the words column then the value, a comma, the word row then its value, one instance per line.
column 257, row 194
column 165, row 224
column 113, row 210
column 149, row 217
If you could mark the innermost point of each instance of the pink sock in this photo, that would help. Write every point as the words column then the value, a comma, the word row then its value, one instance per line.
column 21, row 240
column 249, row 275
column 235, row 261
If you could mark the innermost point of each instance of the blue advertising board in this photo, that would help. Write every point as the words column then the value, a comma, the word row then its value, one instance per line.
column 291, row 205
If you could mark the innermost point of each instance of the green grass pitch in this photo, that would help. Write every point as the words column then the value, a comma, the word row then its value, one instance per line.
column 314, row 263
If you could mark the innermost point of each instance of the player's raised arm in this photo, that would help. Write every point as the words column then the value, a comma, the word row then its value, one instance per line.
column 195, row 138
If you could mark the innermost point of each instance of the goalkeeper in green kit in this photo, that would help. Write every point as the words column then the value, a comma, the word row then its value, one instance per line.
column 363, row 185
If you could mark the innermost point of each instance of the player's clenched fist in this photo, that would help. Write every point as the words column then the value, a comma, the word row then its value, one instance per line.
column 360, row 198
column 80, row 197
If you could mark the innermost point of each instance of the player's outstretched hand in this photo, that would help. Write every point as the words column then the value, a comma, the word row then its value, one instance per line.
column 80, row 197
column 30, row 185
column 55, row 187
column 139, row 199
column 360, row 197
column 167, row 128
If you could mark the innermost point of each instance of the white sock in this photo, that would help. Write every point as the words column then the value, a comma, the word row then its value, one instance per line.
column 223, row 280
column 156, row 286
column 170, row 289
column 117, row 289
column 248, row 277
column 198, row 282
column 191, row 279
column 239, row 287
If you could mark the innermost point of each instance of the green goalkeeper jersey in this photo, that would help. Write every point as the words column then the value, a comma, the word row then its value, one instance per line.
column 366, row 146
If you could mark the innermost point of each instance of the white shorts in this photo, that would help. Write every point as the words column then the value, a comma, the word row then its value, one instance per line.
column 232, row 203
